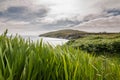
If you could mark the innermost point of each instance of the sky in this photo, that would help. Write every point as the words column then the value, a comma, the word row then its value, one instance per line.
column 34, row 17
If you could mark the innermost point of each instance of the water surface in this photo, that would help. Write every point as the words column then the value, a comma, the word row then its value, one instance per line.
column 51, row 41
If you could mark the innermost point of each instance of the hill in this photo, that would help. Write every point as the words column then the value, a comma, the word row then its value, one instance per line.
column 65, row 34
column 73, row 34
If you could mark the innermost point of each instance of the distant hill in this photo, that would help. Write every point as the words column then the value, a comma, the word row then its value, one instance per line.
column 65, row 34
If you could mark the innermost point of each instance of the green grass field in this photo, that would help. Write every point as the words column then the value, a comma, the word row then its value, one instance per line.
column 25, row 60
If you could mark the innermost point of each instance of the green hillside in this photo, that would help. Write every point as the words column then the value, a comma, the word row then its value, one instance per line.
column 66, row 34
column 74, row 34
column 98, row 43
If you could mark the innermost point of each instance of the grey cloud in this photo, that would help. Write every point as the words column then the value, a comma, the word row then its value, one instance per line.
column 113, row 12
column 23, row 13
column 105, row 8
column 16, row 10
column 57, row 24
column 2, row 1
column 98, row 15
column 64, row 22
column 110, row 24
column 107, row 4
column 93, row 16
column 1, row 14
column 104, row 14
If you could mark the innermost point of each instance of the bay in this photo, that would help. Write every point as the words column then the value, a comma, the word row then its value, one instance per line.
column 52, row 41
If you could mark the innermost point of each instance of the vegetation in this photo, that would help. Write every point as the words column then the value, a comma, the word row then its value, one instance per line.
column 73, row 34
column 65, row 34
column 25, row 60
column 98, row 43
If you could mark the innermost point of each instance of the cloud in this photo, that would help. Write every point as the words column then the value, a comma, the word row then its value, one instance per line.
column 63, row 22
column 38, row 15
column 2, row 0
column 109, row 24
column 23, row 13
column 85, row 10
column 113, row 12
column 16, row 10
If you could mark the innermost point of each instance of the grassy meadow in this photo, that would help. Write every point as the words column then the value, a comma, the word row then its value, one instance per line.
column 26, row 60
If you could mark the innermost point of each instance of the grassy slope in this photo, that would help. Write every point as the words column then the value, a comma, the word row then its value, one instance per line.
column 98, row 43
column 66, row 34
column 22, row 60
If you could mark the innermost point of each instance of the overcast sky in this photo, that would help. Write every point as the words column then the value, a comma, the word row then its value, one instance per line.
column 33, row 17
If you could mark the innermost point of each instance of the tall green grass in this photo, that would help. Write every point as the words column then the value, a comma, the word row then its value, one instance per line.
column 25, row 60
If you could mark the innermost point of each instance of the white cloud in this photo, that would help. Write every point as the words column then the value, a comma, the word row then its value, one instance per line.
column 17, row 23
column 110, row 24
column 37, row 15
